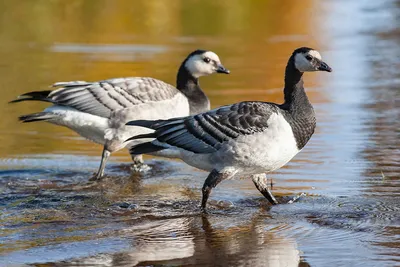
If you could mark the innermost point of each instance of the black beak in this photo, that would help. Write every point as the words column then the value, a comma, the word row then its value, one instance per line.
column 324, row 67
column 221, row 69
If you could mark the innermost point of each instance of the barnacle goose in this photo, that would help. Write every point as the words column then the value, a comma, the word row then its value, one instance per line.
column 244, row 139
column 99, row 110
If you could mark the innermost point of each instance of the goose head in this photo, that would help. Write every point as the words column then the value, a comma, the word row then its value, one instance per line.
column 201, row 63
column 308, row 59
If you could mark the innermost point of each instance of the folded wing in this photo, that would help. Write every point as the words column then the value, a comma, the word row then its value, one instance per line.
column 205, row 132
column 104, row 97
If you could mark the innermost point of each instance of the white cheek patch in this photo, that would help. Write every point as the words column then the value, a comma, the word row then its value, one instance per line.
column 197, row 67
column 302, row 64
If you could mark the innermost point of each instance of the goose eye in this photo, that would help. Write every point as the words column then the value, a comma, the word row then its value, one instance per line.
column 308, row 57
column 206, row 60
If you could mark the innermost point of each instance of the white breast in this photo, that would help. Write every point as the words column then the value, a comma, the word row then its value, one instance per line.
column 261, row 152
column 248, row 154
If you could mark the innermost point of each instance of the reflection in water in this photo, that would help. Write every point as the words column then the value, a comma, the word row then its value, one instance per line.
column 383, row 151
column 155, row 241
column 200, row 241
column 384, row 121
column 249, row 245
column 377, row 97
column 82, row 41
column 349, row 170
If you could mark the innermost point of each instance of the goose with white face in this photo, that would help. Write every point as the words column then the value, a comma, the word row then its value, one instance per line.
column 202, row 63
column 310, row 60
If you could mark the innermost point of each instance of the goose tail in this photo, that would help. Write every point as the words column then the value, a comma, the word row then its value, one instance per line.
column 40, row 116
column 34, row 96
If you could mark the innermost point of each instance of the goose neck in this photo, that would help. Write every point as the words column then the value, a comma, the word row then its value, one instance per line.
column 295, row 96
column 190, row 87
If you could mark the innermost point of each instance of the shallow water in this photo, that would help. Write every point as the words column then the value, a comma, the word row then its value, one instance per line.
column 349, row 171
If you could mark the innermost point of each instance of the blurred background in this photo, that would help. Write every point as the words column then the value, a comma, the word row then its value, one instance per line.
column 349, row 170
column 47, row 41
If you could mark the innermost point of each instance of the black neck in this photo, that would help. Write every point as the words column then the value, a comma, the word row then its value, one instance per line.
column 300, row 113
column 296, row 100
column 190, row 87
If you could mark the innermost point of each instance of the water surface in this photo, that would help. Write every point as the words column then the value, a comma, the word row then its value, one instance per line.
column 349, row 171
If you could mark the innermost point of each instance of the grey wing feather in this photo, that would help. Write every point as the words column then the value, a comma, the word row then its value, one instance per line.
column 71, row 83
column 205, row 132
column 104, row 97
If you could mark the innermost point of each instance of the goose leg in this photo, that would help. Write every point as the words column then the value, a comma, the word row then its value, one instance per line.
column 104, row 157
column 213, row 179
column 137, row 159
column 138, row 164
column 261, row 182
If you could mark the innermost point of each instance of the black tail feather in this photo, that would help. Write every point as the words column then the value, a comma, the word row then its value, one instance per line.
column 43, row 94
column 40, row 116
column 141, row 136
column 145, row 148
column 156, row 124
column 34, row 96
column 29, row 99
column 144, row 123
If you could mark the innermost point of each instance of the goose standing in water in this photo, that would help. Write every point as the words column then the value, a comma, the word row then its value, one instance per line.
column 98, row 111
column 244, row 139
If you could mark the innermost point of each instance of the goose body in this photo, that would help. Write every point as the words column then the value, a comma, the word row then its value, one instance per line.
column 263, row 151
column 244, row 139
column 230, row 138
column 98, row 111
column 102, row 119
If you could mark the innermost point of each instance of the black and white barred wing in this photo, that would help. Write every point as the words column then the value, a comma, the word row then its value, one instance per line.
column 205, row 132
column 104, row 97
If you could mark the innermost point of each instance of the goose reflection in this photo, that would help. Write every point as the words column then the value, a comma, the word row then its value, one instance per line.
column 151, row 241
column 254, row 244
column 203, row 241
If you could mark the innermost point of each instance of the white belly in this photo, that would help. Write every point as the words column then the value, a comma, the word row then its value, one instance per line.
column 249, row 154
column 87, row 125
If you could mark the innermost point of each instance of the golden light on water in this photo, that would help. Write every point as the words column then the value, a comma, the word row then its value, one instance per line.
column 95, row 40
